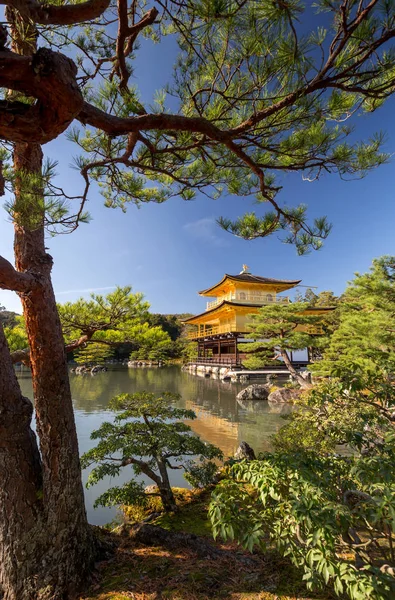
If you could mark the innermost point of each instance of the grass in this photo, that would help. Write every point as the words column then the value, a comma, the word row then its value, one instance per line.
column 153, row 573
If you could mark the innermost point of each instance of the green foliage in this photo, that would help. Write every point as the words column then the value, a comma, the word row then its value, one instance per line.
column 94, row 329
column 171, row 324
column 365, row 336
column 332, row 515
column 312, row 507
column 188, row 349
column 104, row 323
column 259, row 359
column 354, row 411
column 148, row 435
column 201, row 474
column 16, row 334
column 116, row 312
column 37, row 201
column 281, row 328
column 329, row 321
column 152, row 343
column 93, row 354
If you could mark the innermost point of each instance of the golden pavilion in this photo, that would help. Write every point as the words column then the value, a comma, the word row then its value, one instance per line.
column 225, row 320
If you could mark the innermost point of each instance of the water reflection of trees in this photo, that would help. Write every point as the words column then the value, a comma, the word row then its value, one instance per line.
column 91, row 393
column 221, row 419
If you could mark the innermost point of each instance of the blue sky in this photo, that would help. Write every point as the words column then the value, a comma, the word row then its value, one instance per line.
column 170, row 251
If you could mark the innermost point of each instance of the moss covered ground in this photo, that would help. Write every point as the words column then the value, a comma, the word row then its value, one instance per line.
column 153, row 573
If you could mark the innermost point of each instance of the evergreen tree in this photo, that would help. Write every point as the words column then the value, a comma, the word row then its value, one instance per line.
column 98, row 326
column 365, row 338
column 329, row 320
column 316, row 505
column 16, row 336
column 147, row 436
column 93, row 329
column 278, row 330
column 169, row 323
column 93, row 354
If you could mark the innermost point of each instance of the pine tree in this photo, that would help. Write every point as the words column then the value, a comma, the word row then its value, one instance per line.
column 278, row 330
column 365, row 338
column 93, row 329
column 148, row 436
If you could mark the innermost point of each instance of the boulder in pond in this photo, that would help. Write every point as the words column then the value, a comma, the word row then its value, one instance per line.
column 283, row 395
column 256, row 391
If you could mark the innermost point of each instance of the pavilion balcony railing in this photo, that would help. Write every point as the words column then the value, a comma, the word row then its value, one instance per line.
column 226, row 361
column 249, row 299
column 205, row 331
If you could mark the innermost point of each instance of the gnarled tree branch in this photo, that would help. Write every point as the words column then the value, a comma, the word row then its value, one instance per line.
column 113, row 125
column 69, row 14
column 50, row 78
column 11, row 279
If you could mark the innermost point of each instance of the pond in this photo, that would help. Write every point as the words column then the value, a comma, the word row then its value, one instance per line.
column 220, row 419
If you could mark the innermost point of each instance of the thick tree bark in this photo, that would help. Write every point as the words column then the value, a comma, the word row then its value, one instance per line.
column 62, row 553
column 21, row 518
column 59, row 555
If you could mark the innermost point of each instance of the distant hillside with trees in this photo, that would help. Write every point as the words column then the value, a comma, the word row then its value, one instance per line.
column 8, row 318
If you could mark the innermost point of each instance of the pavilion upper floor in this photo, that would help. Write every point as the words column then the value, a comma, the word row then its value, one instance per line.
column 246, row 288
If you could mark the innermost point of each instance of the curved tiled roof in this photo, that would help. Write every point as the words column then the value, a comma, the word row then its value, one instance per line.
column 227, row 302
column 249, row 278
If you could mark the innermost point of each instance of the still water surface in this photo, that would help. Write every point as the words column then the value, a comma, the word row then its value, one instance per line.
column 220, row 419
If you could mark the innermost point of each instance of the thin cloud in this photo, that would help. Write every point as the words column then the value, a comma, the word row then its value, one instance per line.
column 206, row 230
column 86, row 290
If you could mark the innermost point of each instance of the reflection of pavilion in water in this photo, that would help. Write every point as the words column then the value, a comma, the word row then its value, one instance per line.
column 226, row 423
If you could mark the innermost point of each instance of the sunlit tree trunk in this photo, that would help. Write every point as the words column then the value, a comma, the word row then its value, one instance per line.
column 297, row 376
column 52, row 513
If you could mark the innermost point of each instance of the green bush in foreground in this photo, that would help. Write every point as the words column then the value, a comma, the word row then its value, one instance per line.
column 332, row 515
column 321, row 513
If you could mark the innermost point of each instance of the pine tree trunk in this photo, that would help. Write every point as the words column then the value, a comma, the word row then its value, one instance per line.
column 47, row 548
column 21, row 517
column 62, row 546
column 166, row 493
column 297, row 376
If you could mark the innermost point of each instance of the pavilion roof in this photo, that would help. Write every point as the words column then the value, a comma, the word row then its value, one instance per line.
column 219, row 306
column 249, row 278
